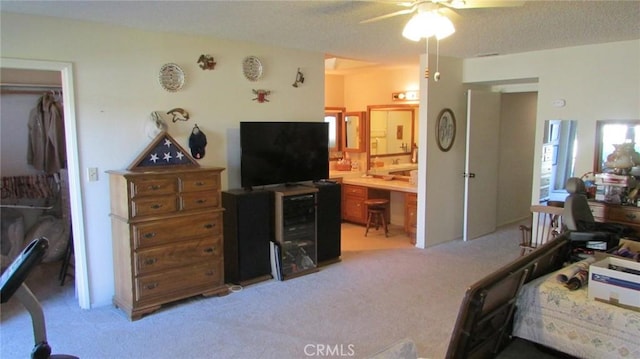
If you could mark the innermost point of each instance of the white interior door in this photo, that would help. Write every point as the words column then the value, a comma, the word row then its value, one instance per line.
column 481, row 163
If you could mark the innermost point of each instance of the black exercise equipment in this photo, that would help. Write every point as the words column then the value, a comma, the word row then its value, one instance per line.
column 12, row 282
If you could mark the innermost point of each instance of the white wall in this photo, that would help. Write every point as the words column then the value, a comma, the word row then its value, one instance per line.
column 597, row 81
column 441, row 186
column 116, row 87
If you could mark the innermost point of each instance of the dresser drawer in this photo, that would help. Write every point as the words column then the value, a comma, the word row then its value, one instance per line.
column 177, row 255
column 355, row 191
column 199, row 182
column 152, row 186
column 146, row 206
column 195, row 200
column 180, row 280
column 623, row 214
column 175, row 229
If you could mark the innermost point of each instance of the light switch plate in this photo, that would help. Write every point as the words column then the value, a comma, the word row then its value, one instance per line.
column 92, row 174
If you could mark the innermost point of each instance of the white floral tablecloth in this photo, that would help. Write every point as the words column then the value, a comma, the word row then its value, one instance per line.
column 548, row 313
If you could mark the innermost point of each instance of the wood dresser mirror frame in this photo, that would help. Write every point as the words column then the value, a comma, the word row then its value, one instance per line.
column 602, row 149
column 353, row 132
column 334, row 117
column 393, row 134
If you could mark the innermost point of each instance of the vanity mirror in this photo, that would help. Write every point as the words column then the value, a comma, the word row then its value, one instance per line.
column 610, row 133
column 558, row 158
column 353, row 130
column 390, row 129
column 333, row 116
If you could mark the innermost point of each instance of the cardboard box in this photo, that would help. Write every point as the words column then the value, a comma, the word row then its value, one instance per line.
column 630, row 245
column 620, row 287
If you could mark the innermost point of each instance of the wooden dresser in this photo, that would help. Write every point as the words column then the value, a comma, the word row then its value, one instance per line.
column 607, row 212
column 167, row 236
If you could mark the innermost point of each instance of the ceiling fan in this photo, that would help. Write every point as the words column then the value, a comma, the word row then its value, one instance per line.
column 429, row 21
column 437, row 5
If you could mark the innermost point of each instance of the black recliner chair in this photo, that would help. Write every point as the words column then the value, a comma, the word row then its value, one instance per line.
column 584, row 231
column 12, row 282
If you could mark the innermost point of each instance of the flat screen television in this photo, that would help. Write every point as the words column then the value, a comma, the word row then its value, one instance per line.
column 283, row 152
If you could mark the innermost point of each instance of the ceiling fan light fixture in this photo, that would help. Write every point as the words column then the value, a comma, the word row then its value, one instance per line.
column 427, row 24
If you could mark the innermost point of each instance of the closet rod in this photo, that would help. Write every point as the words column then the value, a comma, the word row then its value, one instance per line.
column 24, row 206
column 33, row 89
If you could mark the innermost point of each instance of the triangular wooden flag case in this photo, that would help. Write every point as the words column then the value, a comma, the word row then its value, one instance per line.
column 163, row 152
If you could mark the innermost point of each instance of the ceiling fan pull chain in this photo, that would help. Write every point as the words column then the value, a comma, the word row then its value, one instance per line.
column 436, row 76
column 426, row 70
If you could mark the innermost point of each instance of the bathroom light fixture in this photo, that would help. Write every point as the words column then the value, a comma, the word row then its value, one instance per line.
column 405, row 96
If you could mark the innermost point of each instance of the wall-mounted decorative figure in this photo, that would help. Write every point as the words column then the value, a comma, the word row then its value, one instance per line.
column 261, row 95
column 155, row 125
column 197, row 142
column 179, row 114
column 206, row 62
column 299, row 79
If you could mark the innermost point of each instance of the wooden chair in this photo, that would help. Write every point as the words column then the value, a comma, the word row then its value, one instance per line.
column 546, row 224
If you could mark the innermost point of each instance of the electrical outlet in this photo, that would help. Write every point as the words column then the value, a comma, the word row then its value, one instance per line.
column 92, row 173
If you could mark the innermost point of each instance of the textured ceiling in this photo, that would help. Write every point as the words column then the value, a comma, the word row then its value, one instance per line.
column 333, row 27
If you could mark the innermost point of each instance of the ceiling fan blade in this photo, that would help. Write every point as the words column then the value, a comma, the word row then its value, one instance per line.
column 377, row 18
column 476, row 4
column 452, row 14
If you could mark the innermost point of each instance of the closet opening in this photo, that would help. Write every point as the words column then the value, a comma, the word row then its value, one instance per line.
column 42, row 197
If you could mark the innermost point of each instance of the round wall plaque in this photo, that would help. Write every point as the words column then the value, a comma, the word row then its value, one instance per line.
column 171, row 77
column 445, row 129
column 252, row 68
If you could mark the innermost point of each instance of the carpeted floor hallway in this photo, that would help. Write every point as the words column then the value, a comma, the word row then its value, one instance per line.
column 383, row 290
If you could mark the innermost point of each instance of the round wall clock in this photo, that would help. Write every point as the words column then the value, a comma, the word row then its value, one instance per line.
column 445, row 129
column 171, row 77
column 252, row 68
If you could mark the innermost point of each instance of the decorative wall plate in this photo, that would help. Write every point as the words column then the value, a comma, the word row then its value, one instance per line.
column 171, row 77
column 252, row 68
column 445, row 129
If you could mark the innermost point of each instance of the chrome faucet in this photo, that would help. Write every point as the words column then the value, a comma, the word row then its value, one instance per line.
column 404, row 147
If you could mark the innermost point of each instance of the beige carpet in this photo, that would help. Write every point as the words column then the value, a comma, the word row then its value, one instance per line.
column 382, row 291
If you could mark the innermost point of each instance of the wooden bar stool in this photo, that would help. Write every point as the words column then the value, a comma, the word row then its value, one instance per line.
column 376, row 214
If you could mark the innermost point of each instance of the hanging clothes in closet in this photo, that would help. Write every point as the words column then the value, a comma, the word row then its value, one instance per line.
column 46, row 151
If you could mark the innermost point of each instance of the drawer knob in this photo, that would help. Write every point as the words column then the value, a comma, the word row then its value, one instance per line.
column 156, row 206
column 199, row 183
column 150, row 261
column 150, row 235
column 209, row 250
column 200, row 201
column 210, row 272
column 151, row 286
column 631, row 216
column 209, row 225
column 154, row 187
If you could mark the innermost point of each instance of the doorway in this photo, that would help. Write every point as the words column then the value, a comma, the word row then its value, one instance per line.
column 516, row 139
column 71, row 145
